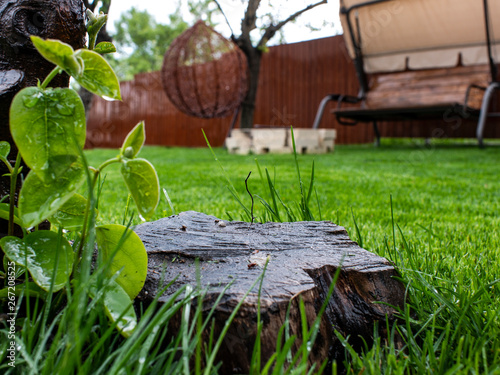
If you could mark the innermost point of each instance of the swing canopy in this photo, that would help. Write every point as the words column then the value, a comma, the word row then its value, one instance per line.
column 397, row 35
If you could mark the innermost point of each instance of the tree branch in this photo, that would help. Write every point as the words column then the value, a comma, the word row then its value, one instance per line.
column 248, row 23
column 224, row 14
column 273, row 29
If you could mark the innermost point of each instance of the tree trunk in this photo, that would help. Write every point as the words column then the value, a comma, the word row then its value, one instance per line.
column 254, row 54
column 303, row 258
column 21, row 65
column 254, row 57
column 248, row 106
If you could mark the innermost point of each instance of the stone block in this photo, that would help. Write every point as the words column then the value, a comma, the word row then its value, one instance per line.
column 240, row 142
column 279, row 140
column 270, row 140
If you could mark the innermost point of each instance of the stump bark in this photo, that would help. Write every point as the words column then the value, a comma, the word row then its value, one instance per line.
column 20, row 64
column 303, row 259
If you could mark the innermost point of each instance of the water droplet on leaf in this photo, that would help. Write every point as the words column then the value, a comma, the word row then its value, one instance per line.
column 31, row 101
column 65, row 109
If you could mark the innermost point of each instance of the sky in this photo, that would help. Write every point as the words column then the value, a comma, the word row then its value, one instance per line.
column 234, row 10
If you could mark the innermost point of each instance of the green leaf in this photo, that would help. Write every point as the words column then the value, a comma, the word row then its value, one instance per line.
column 104, row 48
column 4, row 214
column 59, row 53
column 71, row 214
column 39, row 201
column 118, row 307
column 134, row 141
column 45, row 125
column 40, row 250
column 142, row 183
column 95, row 24
column 4, row 149
column 98, row 77
column 131, row 257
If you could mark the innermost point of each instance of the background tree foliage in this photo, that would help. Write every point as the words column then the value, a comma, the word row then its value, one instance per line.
column 203, row 10
column 143, row 41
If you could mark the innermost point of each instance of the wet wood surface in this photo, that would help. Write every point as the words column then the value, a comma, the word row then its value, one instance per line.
column 303, row 258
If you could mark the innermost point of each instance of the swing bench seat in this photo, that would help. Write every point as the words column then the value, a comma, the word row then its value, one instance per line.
column 423, row 94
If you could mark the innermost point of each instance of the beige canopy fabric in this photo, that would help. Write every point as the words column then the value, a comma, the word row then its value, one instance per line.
column 422, row 34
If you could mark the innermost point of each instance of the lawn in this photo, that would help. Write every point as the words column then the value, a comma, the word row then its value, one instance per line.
column 450, row 191
column 442, row 230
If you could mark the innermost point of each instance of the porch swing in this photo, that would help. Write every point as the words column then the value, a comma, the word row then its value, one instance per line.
column 419, row 59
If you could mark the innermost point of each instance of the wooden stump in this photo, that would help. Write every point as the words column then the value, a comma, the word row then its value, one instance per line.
column 303, row 259
column 20, row 64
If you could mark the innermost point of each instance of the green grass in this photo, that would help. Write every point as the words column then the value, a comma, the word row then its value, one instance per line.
column 435, row 212
column 452, row 192
column 445, row 240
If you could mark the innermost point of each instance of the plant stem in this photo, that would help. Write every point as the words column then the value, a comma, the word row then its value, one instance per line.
column 87, row 212
column 13, row 183
column 50, row 77
column 108, row 162
column 7, row 164
column 251, row 196
column 85, row 225
column 92, row 40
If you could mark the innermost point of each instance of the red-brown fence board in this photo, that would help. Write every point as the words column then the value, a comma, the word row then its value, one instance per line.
column 294, row 79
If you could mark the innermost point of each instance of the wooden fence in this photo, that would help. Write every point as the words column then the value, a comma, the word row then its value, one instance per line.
column 294, row 78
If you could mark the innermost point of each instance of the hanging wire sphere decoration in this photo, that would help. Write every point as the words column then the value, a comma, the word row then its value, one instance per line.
column 204, row 74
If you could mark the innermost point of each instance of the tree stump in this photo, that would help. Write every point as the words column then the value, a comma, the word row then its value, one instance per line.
column 303, row 259
column 20, row 64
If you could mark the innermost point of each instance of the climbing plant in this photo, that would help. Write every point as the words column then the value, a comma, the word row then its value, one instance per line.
column 49, row 128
